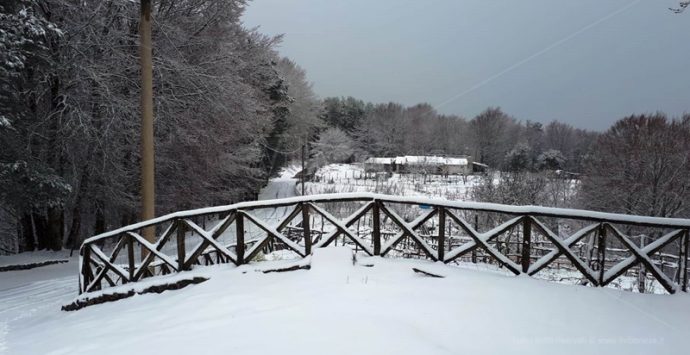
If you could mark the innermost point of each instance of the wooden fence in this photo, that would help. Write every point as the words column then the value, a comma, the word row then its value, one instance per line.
column 520, row 239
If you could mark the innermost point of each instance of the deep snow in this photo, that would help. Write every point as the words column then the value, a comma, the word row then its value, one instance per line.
column 341, row 308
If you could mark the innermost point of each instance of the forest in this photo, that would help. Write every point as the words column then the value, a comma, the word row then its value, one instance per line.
column 230, row 111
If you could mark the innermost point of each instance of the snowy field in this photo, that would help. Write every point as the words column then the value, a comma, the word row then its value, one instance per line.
column 341, row 308
column 339, row 178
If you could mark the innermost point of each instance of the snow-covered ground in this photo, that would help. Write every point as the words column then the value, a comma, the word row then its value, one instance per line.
column 35, row 257
column 339, row 178
column 338, row 307
column 27, row 296
column 341, row 308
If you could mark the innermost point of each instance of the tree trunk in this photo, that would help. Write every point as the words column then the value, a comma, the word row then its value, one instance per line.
column 40, row 229
column 73, row 237
column 26, row 237
column 55, row 225
column 99, row 226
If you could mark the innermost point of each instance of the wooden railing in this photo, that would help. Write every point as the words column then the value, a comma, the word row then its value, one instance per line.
column 594, row 248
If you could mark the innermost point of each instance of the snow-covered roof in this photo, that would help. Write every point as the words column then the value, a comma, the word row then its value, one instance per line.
column 429, row 160
column 456, row 161
column 375, row 160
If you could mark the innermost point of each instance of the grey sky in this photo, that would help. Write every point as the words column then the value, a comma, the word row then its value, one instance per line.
column 585, row 62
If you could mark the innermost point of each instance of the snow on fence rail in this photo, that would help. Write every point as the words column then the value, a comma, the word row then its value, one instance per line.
column 531, row 240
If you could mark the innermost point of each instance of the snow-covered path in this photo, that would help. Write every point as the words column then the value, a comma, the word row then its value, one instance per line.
column 281, row 187
column 29, row 297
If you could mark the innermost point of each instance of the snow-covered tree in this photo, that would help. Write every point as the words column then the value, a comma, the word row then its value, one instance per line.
column 303, row 119
column 519, row 158
column 23, row 44
column 333, row 146
column 70, row 109
column 32, row 191
column 344, row 113
column 551, row 159
column 380, row 132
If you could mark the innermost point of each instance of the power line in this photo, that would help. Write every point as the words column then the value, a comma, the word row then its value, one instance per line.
column 538, row 53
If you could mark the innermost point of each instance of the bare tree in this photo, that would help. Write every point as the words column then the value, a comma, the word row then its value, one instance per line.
column 492, row 136
column 640, row 166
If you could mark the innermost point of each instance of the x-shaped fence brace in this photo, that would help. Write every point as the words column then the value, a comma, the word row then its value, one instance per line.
column 96, row 267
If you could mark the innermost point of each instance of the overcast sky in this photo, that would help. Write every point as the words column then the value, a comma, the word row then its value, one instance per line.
column 585, row 62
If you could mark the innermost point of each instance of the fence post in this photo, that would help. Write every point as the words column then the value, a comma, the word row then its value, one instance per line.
column 601, row 249
column 376, row 232
column 526, row 242
column 306, row 229
column 685, row 244
column 130, row 256
column 181, row 252
column 476, row 228
column 441, row 234
column 86, row 267
column 239, row 236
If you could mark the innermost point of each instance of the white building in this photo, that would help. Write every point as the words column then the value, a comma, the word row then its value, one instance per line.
column 421, row 164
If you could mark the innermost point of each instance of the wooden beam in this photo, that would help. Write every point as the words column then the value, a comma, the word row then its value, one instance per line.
column 343, row 227
column 601, row 255
column 441, row 234
column 143, row 268
column 565, row 250
column 181, row 252
column 376, row 227
column 87, row 273
column 526, row 243
column 130, row 257
column 684, row 246
column 273, row 233
column 239, row 237
column 306, row 228
column 409, row 230
column 254, row 250
column 416, row 224
column 216, row 232
column 642, row 257
column 209, row 238
column 479, row 242
column 547, row 259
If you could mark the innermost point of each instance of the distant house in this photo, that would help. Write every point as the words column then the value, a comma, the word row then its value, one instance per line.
column 457, row 166
column 479, row 167
column 378, row 164
column 421, row 164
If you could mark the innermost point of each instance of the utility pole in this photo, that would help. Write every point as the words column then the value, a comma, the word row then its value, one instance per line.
column 147, row 157
column 304, row 173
